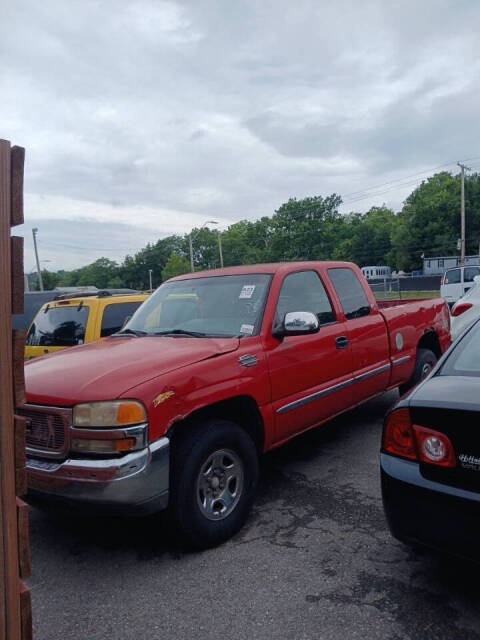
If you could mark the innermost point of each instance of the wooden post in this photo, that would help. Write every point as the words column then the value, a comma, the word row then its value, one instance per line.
column 15, row 607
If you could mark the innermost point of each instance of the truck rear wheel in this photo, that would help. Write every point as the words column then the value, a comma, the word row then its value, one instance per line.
column 213, row 481
column 424, row 363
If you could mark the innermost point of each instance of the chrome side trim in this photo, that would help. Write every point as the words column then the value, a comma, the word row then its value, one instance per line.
column 373, row 372
column 336, row 387
column 248, row 360
column 402, row 360
column 315, row 396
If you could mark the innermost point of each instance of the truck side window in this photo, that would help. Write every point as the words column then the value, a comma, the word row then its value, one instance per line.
column 470, row 273
column 453, row 276
column 114, row 316
column 350, row 292
column 304, row 291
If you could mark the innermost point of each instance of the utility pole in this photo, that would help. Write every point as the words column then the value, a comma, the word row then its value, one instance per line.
column 150, row 278
column 40, row 281
column 462, row 214
column 220, row 247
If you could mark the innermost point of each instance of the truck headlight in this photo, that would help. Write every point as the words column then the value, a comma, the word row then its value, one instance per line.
column 115, row 413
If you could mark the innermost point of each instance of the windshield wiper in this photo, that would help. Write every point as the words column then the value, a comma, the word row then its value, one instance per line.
column 180, row 332
column 129, row 332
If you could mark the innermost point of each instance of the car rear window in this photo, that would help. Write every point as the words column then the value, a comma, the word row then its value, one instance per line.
column 58, row 327
column 464, row 360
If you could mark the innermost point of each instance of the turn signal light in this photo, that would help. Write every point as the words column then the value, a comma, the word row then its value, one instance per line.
column 460, row 308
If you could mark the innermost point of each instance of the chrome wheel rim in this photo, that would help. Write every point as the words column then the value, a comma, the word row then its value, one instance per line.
column 219, row 484
column 427, row 367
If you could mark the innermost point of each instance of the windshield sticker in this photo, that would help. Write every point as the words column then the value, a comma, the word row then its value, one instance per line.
column 247, row 291
column 246, row 329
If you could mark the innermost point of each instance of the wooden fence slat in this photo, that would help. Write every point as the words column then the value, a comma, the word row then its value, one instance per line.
column 21, row 482
column 20, row 455
column 24, row 561
column 26, row 612
column 9, row 550
column 18, row 370
column 17, row 162
column 17, row 274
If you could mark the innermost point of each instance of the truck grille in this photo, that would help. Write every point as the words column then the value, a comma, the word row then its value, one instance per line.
column 46, row 430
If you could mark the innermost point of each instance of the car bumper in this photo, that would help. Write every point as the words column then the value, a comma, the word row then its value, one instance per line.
column 134, row 484
column 429, row 513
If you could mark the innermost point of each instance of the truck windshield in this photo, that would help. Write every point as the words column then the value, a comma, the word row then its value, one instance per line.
column 58, row 327
column 218, row 306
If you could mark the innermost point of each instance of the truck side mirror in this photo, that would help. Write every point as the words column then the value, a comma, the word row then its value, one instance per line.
column 297, row 323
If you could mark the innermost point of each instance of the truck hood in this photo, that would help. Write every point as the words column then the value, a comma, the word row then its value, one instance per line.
column 110, row 367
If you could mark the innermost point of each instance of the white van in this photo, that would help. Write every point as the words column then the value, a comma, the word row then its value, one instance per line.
column 456, row 282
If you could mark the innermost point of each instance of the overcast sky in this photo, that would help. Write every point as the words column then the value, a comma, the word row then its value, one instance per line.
column 144, row 118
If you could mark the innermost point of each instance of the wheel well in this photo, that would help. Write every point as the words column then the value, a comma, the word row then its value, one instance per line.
column 429, row 340
column 242, row 409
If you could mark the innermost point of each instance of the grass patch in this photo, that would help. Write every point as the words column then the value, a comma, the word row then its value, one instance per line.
column 405, row 295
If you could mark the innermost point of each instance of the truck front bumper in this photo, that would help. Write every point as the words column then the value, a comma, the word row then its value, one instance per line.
column 134, row 484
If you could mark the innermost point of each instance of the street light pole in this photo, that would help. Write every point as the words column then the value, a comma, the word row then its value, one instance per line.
column 40, row 281
column 192, row 268
column 190, row 244
column 150, row 278
column 220, row 248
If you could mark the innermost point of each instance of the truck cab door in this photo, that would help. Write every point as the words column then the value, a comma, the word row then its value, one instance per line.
column 367, row 334
column 311, row 375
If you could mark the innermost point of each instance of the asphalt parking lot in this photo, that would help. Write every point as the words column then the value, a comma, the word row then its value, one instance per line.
column 315, row 561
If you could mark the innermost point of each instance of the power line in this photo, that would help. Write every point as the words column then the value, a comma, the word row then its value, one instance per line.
column 362, row 192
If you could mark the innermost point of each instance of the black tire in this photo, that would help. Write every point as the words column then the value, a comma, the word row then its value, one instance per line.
column 424, row 363
column 191, row 509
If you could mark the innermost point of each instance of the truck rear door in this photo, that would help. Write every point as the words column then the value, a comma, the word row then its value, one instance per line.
column 366, row 332
column 311, row 375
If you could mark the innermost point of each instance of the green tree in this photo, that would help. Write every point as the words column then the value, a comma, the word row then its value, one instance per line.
column 306, row 229
column 429, row 222
column 176, row 265
column 366, row 237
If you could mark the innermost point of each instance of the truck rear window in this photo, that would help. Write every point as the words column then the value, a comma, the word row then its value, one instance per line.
column 58, row 327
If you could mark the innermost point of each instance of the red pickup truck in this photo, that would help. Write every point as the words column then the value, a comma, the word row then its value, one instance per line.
column 213, row 369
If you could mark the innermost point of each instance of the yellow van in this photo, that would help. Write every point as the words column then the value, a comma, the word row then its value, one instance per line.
column 74, row 319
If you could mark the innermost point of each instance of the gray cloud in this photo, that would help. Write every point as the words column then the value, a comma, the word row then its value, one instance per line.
column 213, row 109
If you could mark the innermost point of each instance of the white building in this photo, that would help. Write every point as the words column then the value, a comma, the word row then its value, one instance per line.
column 439, row 264
column 372, row 273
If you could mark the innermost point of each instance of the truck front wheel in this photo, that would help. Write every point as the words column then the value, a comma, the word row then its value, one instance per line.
column 213, row 481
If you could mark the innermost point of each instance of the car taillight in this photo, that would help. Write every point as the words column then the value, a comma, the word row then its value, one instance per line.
column 460, row 308
column 413, row 442
column 398, row 438
column 434, row 447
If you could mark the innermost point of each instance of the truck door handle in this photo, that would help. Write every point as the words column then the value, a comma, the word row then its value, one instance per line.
column 341, row 342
